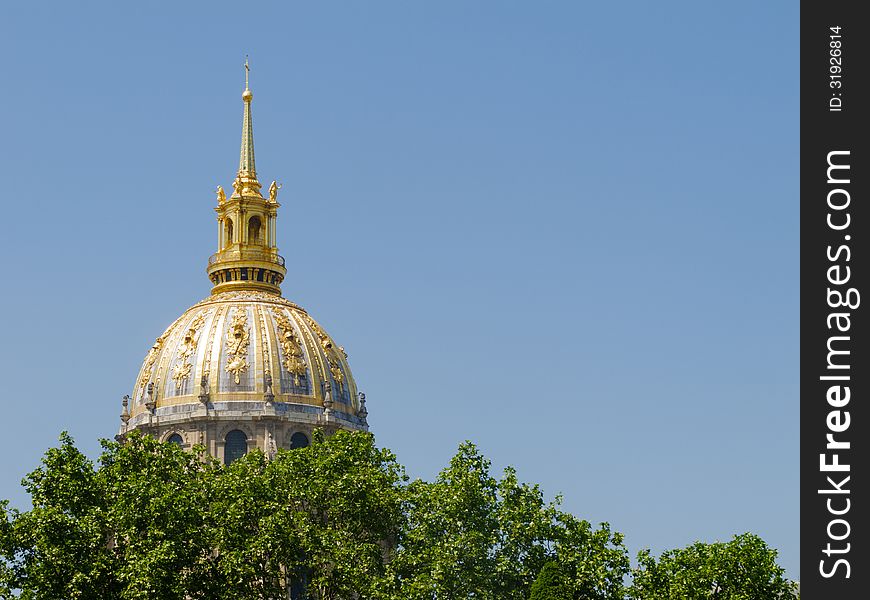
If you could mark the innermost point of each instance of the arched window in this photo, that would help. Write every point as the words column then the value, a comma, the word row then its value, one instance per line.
column 298, row 440
column 254, row 225
column 235, row 446
column 176, row 439
column 229, row 239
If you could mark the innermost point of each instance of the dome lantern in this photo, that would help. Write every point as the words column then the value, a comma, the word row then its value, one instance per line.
column 247, row 256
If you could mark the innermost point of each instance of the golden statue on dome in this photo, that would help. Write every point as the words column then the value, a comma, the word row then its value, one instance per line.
column 273, row 191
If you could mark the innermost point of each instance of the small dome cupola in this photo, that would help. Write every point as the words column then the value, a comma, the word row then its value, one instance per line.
column 247, row 256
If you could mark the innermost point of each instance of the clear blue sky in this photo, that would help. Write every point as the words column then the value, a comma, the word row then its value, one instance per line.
column 566, row 231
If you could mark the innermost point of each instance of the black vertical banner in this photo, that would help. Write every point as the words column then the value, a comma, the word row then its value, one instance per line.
column 835, row 373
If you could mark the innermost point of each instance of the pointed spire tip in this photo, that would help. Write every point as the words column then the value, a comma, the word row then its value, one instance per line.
column 247, row 95
column 247, row 169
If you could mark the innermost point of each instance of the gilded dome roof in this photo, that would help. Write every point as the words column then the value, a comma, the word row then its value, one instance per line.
column 245, row 353
column 244, row 346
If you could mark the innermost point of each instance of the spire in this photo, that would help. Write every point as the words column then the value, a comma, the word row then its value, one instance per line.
column 247, row 256
column 246, row 180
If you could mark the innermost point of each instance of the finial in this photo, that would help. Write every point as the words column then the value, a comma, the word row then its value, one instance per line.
column 150, row 402
column 247, row 177
column 247, row 95
column 268, row 395
column 203, row 388
column 327, row 401
column 125, row 413
column 362, row 413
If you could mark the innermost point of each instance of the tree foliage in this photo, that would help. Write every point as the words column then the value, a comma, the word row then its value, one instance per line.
column 154, row 521
column 339, row 518
column 551, row 584
column 470, row 535
column 742, row 569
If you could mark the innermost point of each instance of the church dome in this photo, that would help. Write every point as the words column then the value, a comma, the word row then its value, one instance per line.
column 239, row 351
column 244, row 368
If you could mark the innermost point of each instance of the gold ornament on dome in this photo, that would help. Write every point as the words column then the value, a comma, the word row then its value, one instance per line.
column 294, row 360
column 325, row 342
column 316, row 327
column 337, row 374
column 273, row 192
column 331, row 353
column 150, row 359
column 246, row 296
column 221, row 195
column 182, row 368
column 238, row 338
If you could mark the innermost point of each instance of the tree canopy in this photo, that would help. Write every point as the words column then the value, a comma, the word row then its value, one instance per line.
column 338, row 519
column 742, row 569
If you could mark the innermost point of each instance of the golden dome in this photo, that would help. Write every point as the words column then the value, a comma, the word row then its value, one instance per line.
column 241, row 351
column 244, row 357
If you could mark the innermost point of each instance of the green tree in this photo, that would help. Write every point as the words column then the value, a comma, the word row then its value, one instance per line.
column 131, row 528
column 61, row 548
column 252, row 552
column 551, row 584
column 154, row 494
column 337, row 503
column 154, row 521
column 742, row 569
column 472, row 536
column 533, row 532
column 150, row 520
column 447, row 549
